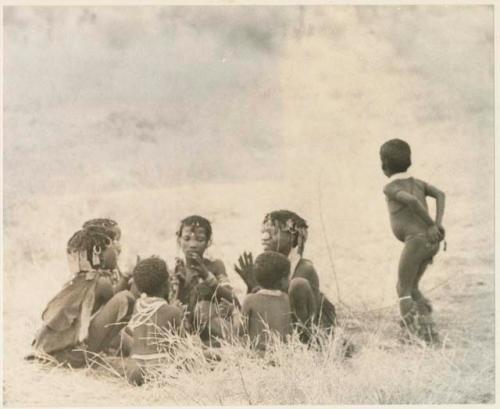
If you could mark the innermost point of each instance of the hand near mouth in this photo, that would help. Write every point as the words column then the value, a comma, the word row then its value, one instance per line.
column 196, row 263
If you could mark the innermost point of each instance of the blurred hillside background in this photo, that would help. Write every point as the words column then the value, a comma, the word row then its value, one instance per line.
column 149, row 114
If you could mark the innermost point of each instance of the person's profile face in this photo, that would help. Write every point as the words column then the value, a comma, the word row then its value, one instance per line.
column 109, row 257
column 275, row 239
column 384, row 166
column 193, row 239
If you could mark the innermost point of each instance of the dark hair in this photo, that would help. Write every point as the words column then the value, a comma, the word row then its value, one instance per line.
column 196, row 221
column 296, row 225
column 90, row 237
column 150, row 274
column 396, row 155
column 270, row 268
column 283, row 216
column 107, row 223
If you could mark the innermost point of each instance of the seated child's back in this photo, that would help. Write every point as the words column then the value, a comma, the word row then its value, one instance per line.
column 153, row 319
column 268, row 310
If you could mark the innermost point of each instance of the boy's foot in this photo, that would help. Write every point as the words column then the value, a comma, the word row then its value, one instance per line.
column 429, row 335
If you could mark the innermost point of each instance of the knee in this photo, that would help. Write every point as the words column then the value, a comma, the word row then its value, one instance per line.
column 302, row 300
column 299, row 288
column 123, row 303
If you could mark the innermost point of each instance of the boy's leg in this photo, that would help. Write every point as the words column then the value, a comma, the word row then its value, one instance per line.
column 423, row 303
column 110, row 320
column 302, row 304
column 414, row 253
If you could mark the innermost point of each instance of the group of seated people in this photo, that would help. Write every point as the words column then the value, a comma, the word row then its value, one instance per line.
column 102, row 310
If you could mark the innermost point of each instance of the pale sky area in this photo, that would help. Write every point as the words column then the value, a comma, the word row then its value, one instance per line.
column 144, row 97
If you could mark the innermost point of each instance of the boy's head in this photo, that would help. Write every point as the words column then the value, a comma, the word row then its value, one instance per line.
column 271, row 270
column 283, row 230
column 395, row 156
column 93, row 247
column 194, row 235
column 151, row 276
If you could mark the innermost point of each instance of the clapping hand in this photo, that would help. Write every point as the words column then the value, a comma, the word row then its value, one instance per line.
column 245, row 270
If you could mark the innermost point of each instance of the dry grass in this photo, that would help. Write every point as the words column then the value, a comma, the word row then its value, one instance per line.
column 381, row 371
column 315, row 111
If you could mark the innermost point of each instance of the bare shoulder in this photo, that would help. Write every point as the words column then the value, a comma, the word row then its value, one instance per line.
column 215, row 265
column 420, row 183
column 104, row 288
column 168, row 315
column 250, row 299
column 392, row 187
column 306, row 266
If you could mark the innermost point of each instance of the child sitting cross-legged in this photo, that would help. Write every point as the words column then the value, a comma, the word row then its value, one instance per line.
column 153, row 322
column 267, row 311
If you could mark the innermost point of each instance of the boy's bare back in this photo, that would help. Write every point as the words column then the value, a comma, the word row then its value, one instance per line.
column 267, row 312
column 404, row 221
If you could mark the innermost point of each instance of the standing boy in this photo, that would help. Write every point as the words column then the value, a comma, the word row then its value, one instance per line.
column 411, row 224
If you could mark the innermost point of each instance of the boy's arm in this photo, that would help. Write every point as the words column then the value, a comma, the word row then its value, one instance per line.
column 169, row 318
column 440, row 202
column 399, row 195
column 246, row 312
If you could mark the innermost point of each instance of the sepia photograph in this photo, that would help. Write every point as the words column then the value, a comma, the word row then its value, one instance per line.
column 162, row 162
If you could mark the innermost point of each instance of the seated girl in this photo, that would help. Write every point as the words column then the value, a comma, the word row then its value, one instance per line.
column 201, row 284
column 76, row 322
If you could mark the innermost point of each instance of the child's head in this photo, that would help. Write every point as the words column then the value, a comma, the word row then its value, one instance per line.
column 93, row 247
column 283, row 230
column 395, row 156
column 107, row 223
column 271, row 270
column 151, row 277
column 194, row 235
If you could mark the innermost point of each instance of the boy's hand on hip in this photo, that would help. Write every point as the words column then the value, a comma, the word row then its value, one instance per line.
column 442, row 231
column 434, row 233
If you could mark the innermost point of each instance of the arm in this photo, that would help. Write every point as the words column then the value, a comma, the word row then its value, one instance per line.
column 245, row 271
column 122, row 284
column 412, row 202
column 305, row 269
column 246, row 312
column 393, row 193
column 169, row 318
column 104, row 291
column 216, row 278
column 440, row 201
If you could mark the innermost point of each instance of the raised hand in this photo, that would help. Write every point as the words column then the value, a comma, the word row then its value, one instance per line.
column 245, row 270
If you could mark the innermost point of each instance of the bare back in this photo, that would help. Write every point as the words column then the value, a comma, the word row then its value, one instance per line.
column 404, row 221
column 267, row 312
column 150, row 336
